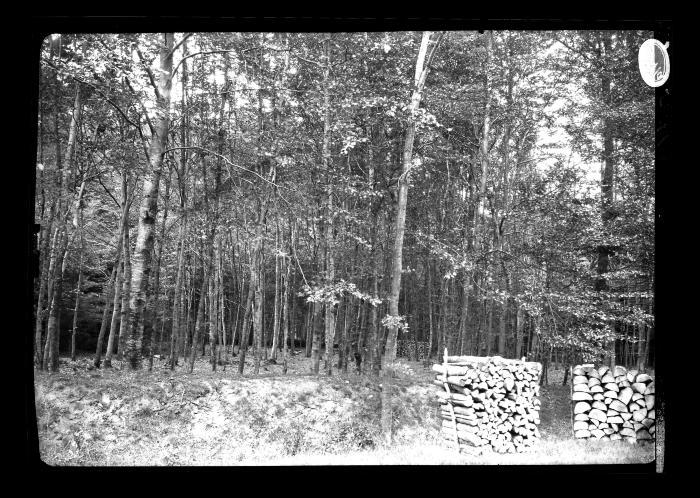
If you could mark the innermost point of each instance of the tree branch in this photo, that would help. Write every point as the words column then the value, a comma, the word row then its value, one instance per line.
column 135, row 95
column 143, row 109
column 149, row 72
column 228, row 162
column 204, row 53
column 92, row 85
column 578, row 52
column 184, row 38
column 99, row 180
column 317, row 64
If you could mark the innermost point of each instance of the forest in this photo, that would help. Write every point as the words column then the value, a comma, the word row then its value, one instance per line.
column 239, row 201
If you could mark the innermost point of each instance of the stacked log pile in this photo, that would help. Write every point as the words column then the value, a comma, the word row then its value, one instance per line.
column 489, row 402
column 612, row 404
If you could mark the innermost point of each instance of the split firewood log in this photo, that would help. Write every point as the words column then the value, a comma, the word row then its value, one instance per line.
column 582, row 407
column 608, row 378
column 639, row 415
column 618, row 405
column 581, row 396
column 642, row 377
column 649, row 400
column 599, row 406
column 619, row 370
column 599, row 415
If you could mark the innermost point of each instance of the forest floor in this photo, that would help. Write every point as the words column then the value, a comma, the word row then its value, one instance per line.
column 117, row 417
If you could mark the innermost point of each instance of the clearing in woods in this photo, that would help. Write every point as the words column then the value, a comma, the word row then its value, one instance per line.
column 122, row 418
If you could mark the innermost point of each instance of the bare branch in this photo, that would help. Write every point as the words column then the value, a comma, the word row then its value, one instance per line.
column 228, row 162
column 99, row 180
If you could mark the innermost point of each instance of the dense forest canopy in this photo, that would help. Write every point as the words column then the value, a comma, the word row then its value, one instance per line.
column 226, row 192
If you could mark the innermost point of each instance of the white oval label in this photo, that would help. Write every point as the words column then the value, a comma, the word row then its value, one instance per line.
column 654, row 64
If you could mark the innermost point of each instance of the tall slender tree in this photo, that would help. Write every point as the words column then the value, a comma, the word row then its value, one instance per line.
column 50, row 360
column 425, row 54
column 149, row 205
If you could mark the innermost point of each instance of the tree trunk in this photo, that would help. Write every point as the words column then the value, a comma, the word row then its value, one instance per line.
column 285, row 313
column 607, row 192
column 502, row 330
column 44, row 246
column 50, row 278
column 245, row 330
column 444, row 313
column 478, row 240
column 199, row 322
column 112, row 297
column 293, row 316
column 222, row 308
column 54, row 228
column 43, row 287
column 117, row 296
column 400, row 223
column 328, row 235
column 126, row 290
column 189, row 296
column 78, row 221
column 77, row 303
column 465, row 340
column 176, row 333
column 149, row 208
column 373, row 333
column 214, row 304
column 116, row 313
column 489, row 332
column 344, row 339
column 428, row 271
column 240, row 286
column 50, row 359
column 257, row 286
column 153, row 302
column 316, row 340
column 519, row 332
column 308, row 326
column 258, row 316
column 276, row 308
column 361, row 344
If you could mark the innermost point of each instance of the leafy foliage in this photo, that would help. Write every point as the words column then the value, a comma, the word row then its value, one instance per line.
column 245, row 152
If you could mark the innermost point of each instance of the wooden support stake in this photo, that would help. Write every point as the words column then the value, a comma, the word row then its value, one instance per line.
column 449, row 402
column 571, row 397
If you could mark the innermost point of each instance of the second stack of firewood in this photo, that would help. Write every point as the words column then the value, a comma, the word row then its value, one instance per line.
column 489, row 402
column 613, row 404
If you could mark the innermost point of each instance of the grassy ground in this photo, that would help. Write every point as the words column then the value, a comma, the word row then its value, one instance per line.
column 121, row 418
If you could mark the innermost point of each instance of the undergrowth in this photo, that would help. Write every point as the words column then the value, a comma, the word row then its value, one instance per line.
column 122, row 418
